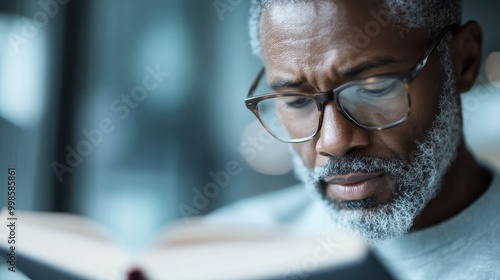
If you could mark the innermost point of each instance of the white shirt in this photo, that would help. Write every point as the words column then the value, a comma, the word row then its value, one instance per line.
column 466, row 246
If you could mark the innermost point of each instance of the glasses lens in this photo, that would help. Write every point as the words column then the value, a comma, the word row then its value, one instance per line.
column 376, row 103
column 290, row 118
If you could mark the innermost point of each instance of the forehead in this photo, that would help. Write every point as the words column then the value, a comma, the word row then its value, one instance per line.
column 289, row 23
column 327, row 37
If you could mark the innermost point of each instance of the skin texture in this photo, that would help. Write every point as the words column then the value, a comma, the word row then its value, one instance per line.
column 311, row 47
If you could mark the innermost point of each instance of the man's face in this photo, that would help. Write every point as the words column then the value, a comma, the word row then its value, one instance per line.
column 374, row 182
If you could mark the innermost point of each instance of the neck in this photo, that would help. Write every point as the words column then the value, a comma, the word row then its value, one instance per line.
column 462, row 184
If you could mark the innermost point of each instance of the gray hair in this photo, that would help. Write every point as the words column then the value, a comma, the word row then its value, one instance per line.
column 426, row 15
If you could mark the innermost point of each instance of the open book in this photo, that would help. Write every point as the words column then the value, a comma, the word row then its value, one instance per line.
column 64, row 246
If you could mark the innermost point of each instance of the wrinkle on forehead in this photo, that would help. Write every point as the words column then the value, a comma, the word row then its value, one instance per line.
column 315, row 41
column 303, row 45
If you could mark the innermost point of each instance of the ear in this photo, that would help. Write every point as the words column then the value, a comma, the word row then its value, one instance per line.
column 466, row 52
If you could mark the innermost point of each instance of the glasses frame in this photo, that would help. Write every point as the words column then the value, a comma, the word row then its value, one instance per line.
column 320, row 98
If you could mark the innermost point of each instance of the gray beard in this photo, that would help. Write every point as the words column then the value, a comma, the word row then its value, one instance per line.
column 417, row 181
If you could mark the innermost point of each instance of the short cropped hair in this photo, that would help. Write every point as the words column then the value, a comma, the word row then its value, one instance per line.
column 426, row 15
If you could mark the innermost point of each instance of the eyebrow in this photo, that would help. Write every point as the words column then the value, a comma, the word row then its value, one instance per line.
column 286, row 84
column 372, row 63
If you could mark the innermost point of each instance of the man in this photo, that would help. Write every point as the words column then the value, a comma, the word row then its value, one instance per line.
column 368, row 94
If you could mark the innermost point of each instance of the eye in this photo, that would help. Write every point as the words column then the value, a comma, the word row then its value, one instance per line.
column 298, row 102
column 378, row 89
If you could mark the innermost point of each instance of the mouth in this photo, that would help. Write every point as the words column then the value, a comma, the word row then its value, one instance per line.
column 355, row 186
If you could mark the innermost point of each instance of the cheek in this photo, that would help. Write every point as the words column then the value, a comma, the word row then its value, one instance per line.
column 398, row 142
column 402, row 140
column 425, row 95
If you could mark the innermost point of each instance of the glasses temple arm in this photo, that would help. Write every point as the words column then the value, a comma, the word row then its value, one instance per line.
column 256, row 82
column 434, row 45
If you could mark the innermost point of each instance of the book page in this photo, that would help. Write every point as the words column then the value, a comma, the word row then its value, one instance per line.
column 198, row 250
column 207, row 251
column 67, row 242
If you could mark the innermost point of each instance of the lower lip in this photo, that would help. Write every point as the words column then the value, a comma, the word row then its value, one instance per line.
column 356, row 191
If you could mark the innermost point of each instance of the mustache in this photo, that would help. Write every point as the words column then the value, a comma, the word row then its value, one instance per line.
column 338, row 166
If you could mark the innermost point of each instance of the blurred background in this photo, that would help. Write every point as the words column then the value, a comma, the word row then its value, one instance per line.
column 125, row 111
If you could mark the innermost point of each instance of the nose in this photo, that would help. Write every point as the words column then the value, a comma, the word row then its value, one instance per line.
column 338, row 135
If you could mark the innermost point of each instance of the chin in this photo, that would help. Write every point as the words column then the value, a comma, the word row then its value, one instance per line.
column 368, row 204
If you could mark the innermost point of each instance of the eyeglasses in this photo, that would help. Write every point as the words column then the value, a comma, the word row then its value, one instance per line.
column 374, row 103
